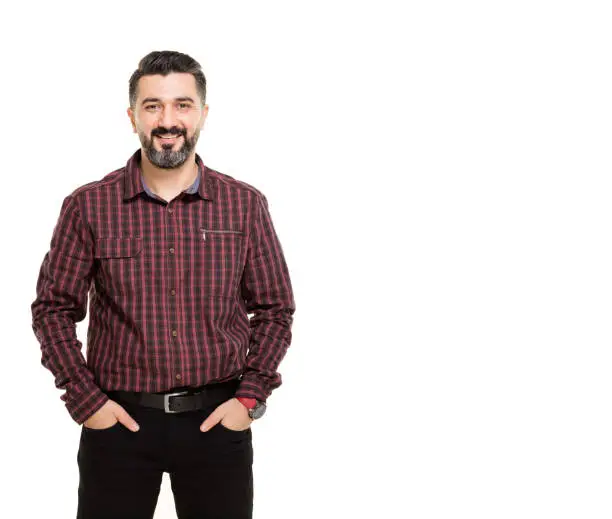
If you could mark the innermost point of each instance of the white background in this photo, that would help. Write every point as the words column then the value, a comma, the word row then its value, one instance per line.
column 439, row 174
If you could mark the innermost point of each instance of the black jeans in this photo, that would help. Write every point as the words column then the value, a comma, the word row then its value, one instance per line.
column 121, row 471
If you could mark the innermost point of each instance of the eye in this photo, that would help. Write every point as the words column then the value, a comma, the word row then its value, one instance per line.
column 150, row 107
column 184, row 106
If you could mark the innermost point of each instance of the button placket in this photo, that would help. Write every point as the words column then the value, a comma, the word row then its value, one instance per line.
column 173, row 280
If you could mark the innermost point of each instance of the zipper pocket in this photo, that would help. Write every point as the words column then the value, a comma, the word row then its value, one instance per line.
column 217, row 231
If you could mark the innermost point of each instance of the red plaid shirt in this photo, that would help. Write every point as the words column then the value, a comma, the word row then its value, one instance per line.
column 170, row 285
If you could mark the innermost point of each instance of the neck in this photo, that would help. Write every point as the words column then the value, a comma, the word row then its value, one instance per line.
column 164, row 180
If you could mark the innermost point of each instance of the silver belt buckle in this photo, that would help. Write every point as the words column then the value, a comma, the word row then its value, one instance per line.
column 167, row 400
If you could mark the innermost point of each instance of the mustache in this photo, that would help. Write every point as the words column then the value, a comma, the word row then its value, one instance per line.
column 172, row 131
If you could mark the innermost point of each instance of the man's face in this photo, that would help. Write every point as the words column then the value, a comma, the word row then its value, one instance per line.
column 168, row 117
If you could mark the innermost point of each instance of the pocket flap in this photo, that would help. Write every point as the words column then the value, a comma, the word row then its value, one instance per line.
column 117, row 247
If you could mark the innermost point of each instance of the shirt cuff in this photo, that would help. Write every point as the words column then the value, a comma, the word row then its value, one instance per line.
column 80, row 410
column 250, row 387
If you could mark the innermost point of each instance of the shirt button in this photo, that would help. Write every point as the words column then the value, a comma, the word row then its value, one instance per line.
column 171, row 250
column 178, row 376
column 173, row 292
column 170, row 211
column 174, row 333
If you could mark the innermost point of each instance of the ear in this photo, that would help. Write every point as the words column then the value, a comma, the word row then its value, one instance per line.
column 130, row 114
column 204, row 115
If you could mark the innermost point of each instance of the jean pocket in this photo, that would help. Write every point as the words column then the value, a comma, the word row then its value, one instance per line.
column 112, row 427
column 233, row 430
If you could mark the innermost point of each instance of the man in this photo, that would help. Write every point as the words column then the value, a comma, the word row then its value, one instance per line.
column 174, row 256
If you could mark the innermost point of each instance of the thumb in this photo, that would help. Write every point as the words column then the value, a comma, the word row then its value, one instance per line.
column 122, row 415
column 212, row 419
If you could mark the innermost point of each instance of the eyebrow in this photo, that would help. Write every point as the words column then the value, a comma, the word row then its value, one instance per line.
column 158, row 100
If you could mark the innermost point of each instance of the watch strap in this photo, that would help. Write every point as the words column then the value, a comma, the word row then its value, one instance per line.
column 249, row 403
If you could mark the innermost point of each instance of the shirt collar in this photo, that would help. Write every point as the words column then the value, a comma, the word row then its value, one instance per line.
column 133, row 180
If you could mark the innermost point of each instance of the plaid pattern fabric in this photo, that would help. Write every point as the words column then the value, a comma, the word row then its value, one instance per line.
column 170, row 286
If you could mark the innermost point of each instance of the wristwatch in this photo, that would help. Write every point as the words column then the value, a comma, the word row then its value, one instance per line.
column 255, row 407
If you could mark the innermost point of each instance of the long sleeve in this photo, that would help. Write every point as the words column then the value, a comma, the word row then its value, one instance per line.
column 61, row 301
column 267, row 292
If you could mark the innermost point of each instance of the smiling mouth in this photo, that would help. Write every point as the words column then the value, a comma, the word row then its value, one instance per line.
column 168, row 138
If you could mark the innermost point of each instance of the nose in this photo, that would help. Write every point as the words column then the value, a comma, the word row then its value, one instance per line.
column 167, row 118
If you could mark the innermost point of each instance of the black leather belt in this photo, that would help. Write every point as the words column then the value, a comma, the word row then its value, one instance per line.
column 180, row 400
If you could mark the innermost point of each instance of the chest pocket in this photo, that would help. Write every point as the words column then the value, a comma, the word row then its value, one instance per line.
column 120, row 264
column 217, row 254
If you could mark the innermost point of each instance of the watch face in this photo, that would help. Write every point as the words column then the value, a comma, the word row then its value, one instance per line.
column 258, row 410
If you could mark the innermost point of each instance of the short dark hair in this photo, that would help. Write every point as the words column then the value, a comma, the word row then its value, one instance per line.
column 165, row 62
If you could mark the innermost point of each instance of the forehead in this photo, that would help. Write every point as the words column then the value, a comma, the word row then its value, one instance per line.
column 176, row 84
